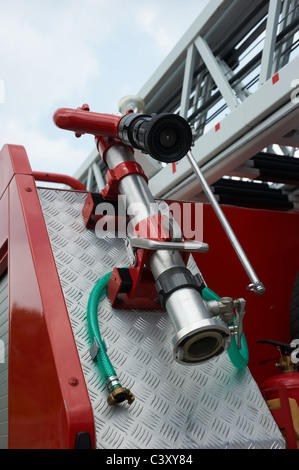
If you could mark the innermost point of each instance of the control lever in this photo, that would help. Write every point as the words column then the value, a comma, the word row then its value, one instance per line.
column 286, row 349
column 148, row 244
column 240, row 312
column 256, row 285
column 134, row 243
column 225, row 307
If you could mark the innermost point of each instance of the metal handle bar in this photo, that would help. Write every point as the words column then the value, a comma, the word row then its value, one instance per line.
column 256, row 285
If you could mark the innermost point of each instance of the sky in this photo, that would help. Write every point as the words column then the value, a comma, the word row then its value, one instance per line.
column 63, row 53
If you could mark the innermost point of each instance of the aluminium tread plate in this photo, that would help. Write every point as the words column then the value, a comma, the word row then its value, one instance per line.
column 4, row 360
column 213, row 405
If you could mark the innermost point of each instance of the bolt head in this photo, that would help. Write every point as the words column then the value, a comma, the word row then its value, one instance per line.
column 73, row 381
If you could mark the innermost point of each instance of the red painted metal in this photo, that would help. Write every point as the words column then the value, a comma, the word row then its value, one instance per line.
column 88, row 212
column 45, row 410
column 12, row 162
column 113, row 177
column 103, row 144
column 283, row 415
column 57, row 178
column 271, row 242
column 4, row 232
column 143, row 294
column 86, row 122
column 275, row 78
column 289, row 380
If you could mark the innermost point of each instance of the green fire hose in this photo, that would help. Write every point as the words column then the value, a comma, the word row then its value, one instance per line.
column 117, row 393
column 102, row 358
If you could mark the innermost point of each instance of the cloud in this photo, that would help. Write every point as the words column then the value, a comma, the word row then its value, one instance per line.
column 42, row 67
column 165, row 22
column 150, row 22
column 64, row 53
column 45, row 154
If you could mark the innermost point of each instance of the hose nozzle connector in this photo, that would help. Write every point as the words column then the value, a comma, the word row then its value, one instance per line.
column 199, row 336
column 200, row 342
column 119, row 395
column 166, row 137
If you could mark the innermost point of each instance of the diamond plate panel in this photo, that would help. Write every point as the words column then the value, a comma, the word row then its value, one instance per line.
column 4, row 331
column 213, row 405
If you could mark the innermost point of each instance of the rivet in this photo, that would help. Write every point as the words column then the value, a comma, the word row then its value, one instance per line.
column 28, row 189
column 73, row 381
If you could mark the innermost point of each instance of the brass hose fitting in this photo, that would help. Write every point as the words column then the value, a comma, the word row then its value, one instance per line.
column 119, row 395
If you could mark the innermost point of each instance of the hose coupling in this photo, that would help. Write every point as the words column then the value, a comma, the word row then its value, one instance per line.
column 118, row 394
column 225, row 307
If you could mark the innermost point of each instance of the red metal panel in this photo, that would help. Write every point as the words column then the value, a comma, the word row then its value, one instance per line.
column 82, row 121
column 271, row 242
column 3, row 231
column 57, row 178
column 48, row 399
column 13, row 160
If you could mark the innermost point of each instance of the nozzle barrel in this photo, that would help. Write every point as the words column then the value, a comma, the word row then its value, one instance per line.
column 166, row 137
column 82, row 121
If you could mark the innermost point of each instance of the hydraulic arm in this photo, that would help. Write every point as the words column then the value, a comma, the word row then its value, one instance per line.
column 203, row 328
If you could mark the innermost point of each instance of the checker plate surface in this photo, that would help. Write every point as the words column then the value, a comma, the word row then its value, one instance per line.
column 213, row 405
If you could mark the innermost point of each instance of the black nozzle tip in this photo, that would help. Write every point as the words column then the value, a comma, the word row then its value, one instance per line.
column 167, row 137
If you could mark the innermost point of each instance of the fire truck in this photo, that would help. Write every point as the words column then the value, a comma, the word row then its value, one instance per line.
column 146, row 300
